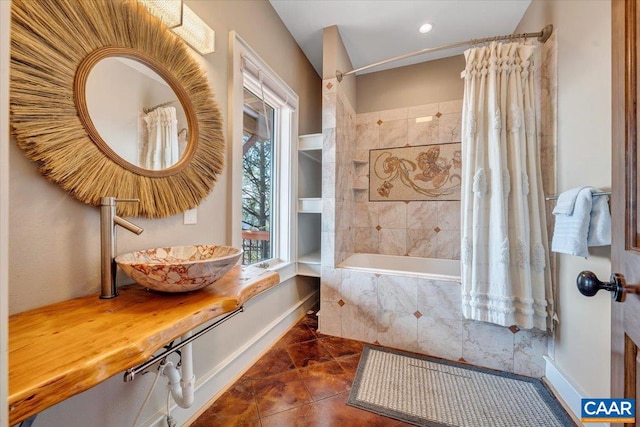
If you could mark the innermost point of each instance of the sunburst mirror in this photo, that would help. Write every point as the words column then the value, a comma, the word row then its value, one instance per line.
column 56, row 47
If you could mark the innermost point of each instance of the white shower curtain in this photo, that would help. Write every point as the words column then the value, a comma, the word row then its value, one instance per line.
column 161, row 149
column 505, row 264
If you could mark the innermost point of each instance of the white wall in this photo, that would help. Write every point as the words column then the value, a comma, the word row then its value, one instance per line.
column 54, row 240
column 582, row 342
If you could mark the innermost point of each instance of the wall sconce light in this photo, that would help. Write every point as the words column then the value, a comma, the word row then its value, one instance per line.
column 195, row 32
column 184, row 22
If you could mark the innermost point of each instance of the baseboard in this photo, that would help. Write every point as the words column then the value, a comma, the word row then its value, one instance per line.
column 218, row 379
column 569, row 395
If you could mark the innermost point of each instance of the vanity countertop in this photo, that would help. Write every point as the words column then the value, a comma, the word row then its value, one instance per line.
column 63, row 349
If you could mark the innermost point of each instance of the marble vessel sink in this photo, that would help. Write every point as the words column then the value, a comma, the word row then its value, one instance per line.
column 179, row 268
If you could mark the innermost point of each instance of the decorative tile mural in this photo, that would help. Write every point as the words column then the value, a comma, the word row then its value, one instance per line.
column 422, row 228
column 426, row 172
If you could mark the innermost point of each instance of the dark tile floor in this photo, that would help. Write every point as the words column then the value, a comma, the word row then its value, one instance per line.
column 303, row 380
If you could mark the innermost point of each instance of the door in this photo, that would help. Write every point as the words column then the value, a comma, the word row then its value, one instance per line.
column 625, row 249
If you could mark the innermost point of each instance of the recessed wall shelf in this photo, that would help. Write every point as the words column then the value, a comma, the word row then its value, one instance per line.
column 309, row 270
column 315, row 155
column 309, row 204
column 311, row 258
column 361, row 175
column 309, row 264
column 312, row 141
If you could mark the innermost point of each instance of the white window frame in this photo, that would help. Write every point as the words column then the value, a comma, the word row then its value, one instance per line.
column 249, row 70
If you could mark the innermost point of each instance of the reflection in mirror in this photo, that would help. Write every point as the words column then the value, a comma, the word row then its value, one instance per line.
column 136, row 113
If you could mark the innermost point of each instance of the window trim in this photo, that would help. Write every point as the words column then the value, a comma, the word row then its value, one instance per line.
column 285, row 102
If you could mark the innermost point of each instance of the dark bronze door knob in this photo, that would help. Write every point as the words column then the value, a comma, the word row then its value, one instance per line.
column 589, row 285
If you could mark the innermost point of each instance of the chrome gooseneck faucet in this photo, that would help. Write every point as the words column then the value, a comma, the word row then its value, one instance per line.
column 108, row 222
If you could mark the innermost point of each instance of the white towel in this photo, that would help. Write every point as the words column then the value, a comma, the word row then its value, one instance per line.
column 566, row 201
column 600, row 222
column 581, row 221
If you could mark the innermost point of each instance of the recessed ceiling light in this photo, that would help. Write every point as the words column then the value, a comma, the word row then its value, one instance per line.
column 426, row 28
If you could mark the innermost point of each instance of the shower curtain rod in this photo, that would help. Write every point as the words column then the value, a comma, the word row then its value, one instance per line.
column 542, row 36
column 147, row 110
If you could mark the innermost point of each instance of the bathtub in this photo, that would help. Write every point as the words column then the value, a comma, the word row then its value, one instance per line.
column 415, row 304
column 428, row 268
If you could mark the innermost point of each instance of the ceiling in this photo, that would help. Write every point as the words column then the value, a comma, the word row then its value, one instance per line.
column 375, row 30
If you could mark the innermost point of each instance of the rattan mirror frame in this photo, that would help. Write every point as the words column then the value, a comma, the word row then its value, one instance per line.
column 53, row 45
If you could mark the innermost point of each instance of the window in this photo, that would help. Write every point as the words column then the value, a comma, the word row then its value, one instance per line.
column 257, row 174
column 263, row 131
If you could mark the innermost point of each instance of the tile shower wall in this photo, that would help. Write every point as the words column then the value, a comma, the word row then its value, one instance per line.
column 338, row 150
column 428, row 229
column 424, row 316
column 405, row 312
column 546, row 114
column 547, row 124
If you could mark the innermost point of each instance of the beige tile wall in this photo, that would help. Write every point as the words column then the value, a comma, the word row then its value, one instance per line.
column 424, row 229
column 338, row 174
column 410, row 312
column 425, row 316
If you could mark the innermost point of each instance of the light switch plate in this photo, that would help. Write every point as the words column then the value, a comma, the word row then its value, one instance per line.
column 191, row 216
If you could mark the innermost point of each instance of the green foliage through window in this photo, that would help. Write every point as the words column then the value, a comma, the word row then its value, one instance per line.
column 257, row 174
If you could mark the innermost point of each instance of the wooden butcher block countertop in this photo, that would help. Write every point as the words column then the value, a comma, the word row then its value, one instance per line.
column 62, row 349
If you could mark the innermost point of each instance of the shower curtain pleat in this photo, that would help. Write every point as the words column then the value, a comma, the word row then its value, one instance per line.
column 161, row 150
column 506, row 278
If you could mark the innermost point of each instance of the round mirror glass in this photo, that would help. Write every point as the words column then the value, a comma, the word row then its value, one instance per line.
column 136, row 113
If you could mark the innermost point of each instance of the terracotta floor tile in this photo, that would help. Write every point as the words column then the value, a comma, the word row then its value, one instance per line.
column 299, row 333
column 325, row 379
column 350, row 365
column 312, row 416
column 280, row 392
column 304, row 380
column 292, row 418
column 274, row 361
column 223, row 422
column 339, row 347
column 334, row 411
column 308, row 353
column 236, row 405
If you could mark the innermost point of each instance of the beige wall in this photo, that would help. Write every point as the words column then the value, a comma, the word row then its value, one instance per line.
column 582, row 341
column 65, row 232
column 54, row 240
column 5, row 43
column 334, row 58
column 424, row 83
